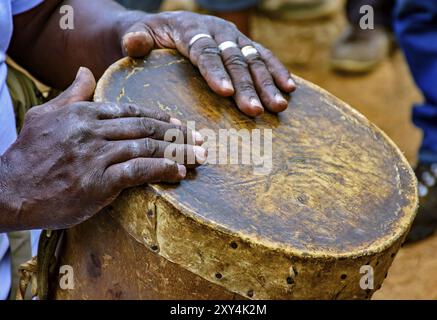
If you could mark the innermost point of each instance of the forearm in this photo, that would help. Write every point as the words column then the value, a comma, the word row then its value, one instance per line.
column 53, row 55
column 9, row 211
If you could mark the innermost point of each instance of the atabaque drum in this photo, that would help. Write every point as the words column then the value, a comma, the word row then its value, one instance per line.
column 318, row 213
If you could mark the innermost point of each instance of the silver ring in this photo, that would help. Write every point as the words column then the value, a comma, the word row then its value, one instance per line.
column 248, row 50
column 198, row 37
column 226, row 45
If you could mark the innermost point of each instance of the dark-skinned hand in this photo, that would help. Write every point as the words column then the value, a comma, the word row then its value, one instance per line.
column 73, row 157
column 255, row 82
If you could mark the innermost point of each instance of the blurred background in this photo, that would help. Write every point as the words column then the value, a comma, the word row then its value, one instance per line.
column 319, row 40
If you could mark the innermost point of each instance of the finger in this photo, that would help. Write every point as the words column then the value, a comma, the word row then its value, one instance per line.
column 137, row 128
column 137, row 41
column 205, row 54
column 113, row 111
column 270, row 95
column 188, row 155
column 279, row 72
column 81, row 89
column 245, row 94
column 139, row 171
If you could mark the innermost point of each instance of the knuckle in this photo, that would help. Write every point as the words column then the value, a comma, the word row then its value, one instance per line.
column 215, row 70
column 101, row 149
column 83, row 132
column 133, row 149
column 269, row 56
column 207, row 49
column 235, row 61
column 148, row 127
column 161, row 115
column 151, row 147
column 245, row 86
column 111, row 108
column 266, row 52
column 137, row 168
column 170, row 167
column 132, row 109
column 256, row 62
column 82, row 108
column 232, row 25
column 267, row 82
column 100, row 130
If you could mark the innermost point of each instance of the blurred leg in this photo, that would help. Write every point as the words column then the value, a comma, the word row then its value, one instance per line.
column 240, row 18
column 361, row 50
column 416, row 31
column 383, row 10
column 236, row 11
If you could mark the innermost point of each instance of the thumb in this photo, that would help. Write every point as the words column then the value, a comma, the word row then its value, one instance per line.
column 82, row 89
column 137, row 41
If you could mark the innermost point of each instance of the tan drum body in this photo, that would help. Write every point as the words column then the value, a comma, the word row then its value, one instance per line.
column 339, row 196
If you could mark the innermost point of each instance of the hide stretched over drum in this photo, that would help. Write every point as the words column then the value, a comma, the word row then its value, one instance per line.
column 338, row 196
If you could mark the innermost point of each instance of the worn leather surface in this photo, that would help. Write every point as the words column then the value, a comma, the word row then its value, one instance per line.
column 339, row 195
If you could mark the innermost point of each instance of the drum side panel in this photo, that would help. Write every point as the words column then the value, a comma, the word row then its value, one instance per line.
column 109, row 264
column 238, row 264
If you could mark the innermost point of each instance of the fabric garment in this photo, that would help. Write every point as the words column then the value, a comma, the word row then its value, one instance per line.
column 8, row 134
column 416, row 31
column 24, row 94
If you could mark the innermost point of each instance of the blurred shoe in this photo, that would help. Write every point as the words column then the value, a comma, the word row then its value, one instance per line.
column 425, row 223
column 359, row 51
column 300, row 9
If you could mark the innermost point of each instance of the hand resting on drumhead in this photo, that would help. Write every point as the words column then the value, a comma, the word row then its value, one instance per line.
column 74, row 157
column 231, row 63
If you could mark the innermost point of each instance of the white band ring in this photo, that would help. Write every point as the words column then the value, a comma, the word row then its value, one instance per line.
column 248, row 50
column 226, row 45
column 197, row 37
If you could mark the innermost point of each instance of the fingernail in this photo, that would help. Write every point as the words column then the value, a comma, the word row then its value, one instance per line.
column 200, row 154
column 176, row 121
column 140, row 33
column 182, row 171
column 79, row 72
column 130, row 35
column 197, row 137
column 226, row 84
column 136, row 33
column 291, row 82
column 280, row 99
column 256, row 104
